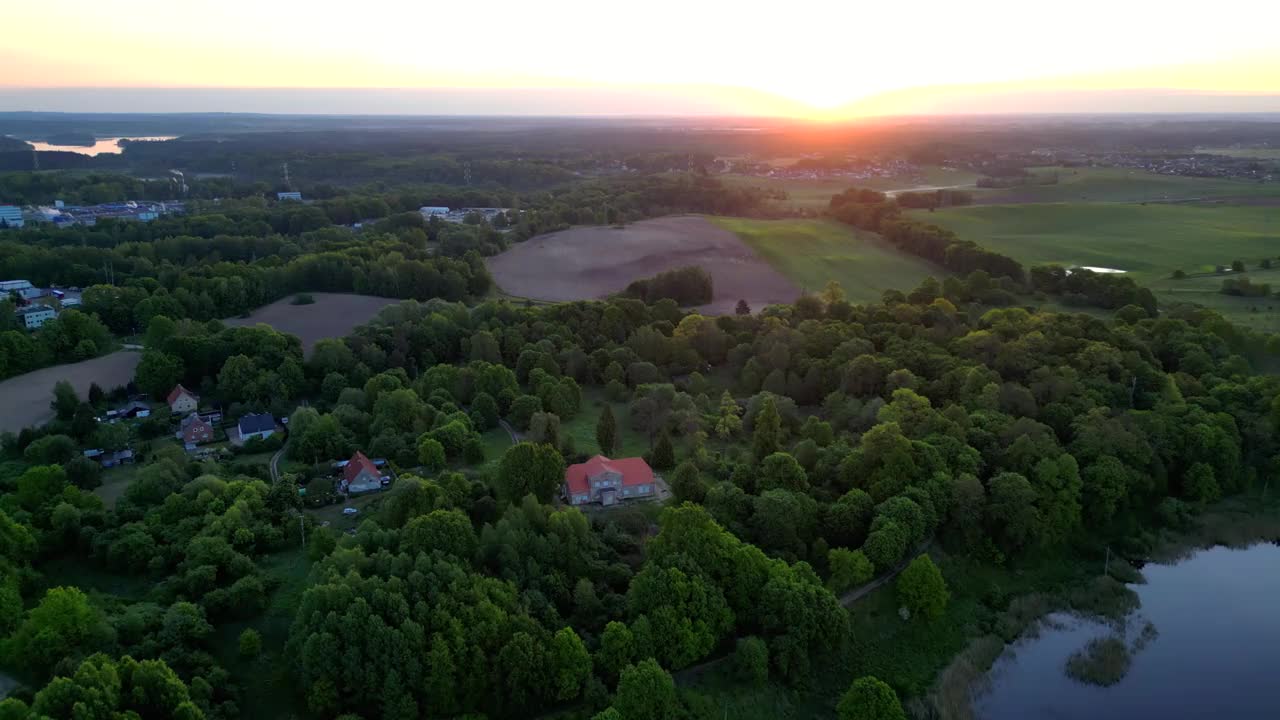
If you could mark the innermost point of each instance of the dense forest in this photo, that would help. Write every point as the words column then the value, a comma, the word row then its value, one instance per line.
column 964, row 448
column 809, row 448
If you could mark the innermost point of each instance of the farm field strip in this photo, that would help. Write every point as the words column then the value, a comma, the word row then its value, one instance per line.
column 813, row 252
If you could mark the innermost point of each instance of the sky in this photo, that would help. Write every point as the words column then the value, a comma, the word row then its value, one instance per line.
column 662, row 57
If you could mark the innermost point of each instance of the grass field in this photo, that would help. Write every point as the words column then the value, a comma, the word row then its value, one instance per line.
column 814, row 194
column 1124, row 185
column 1259, row 153
column 812, row 252
column 582, row 428
column 1147, row 241
column 1257, row 313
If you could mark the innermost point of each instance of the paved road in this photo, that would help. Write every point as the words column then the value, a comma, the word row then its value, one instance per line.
column 275, row 462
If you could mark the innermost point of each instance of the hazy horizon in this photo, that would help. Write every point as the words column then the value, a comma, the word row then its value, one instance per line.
column 622, row 102
column 811, row 60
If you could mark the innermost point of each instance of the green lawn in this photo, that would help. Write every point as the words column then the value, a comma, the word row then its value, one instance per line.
column 582, row 428
column 1255, row 312
column 114, row 482
column 813, row 252
column 1148, row 241
column 496, row 442
column 814, row 194
column 1124, row 185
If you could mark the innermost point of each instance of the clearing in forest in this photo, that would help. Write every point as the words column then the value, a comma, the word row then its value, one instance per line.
column 589, row 263
column 813, row 252
column 332, row 315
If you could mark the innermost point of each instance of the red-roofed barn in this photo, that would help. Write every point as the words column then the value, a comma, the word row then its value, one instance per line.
column 605, row 481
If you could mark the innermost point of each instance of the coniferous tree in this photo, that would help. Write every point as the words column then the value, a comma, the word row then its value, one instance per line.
column 606, row 431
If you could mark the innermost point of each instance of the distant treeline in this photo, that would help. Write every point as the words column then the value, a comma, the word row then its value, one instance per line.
column 874, row 211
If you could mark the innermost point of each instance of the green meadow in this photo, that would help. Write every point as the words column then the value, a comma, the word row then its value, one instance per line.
column 1147, row 241
column 813, row 252
column 1124, row 185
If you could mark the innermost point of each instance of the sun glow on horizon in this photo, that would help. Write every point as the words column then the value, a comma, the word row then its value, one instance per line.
column 808, row 58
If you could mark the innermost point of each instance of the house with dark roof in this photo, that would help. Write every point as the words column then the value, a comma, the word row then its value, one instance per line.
column 360, row 475
column 260, row 425
column 182, row 400
column 605, row 481
column 195, row 430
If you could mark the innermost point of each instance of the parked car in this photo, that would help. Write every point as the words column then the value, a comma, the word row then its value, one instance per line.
column 350, row 511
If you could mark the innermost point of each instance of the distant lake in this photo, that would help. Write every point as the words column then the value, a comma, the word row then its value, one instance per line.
column 1216, row 655
column 101, row 146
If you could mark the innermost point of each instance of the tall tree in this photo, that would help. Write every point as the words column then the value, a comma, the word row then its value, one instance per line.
column 767, row 439
column 606, row 431
column 65, row 401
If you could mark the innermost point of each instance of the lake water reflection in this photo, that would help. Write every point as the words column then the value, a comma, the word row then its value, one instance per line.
column 1217, row 654
column 101, row 146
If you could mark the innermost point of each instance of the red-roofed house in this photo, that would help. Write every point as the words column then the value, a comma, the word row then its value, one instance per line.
column 605, row 481
column 182, row 400
column 361, row 475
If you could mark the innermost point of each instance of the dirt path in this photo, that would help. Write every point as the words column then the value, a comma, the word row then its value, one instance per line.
column 515, row 437
column 24, row 400
column 589, row 263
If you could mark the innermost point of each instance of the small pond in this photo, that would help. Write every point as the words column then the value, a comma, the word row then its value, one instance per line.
column 1214, row 653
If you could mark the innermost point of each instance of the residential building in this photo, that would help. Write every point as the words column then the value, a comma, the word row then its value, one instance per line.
column 605, row 481
column 182, row 400
column 360, row 475
column 10, row 216
column 261, row 426
column 195, row 430
column 135, row 408
column 33, row 316
column 110, row 459
column 289, row 196
column 24, row 288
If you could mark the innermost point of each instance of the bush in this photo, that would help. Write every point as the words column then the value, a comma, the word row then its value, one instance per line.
column 849, row 569
column 751, row 661
column 302, row 299
column 1104, row 662
column 250, row 643
column 869, row 698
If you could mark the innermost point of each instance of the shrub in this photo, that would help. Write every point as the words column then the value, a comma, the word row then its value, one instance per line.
column 849, row 569
column 302, row 299
column 751, row 660
column 250, row 643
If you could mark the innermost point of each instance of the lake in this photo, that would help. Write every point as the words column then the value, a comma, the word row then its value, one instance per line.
column 101, row 146
column 1216, row 655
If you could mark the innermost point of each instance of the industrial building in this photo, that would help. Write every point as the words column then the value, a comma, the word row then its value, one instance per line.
column 33, row 316
column 23, row 288
column 10, row 216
